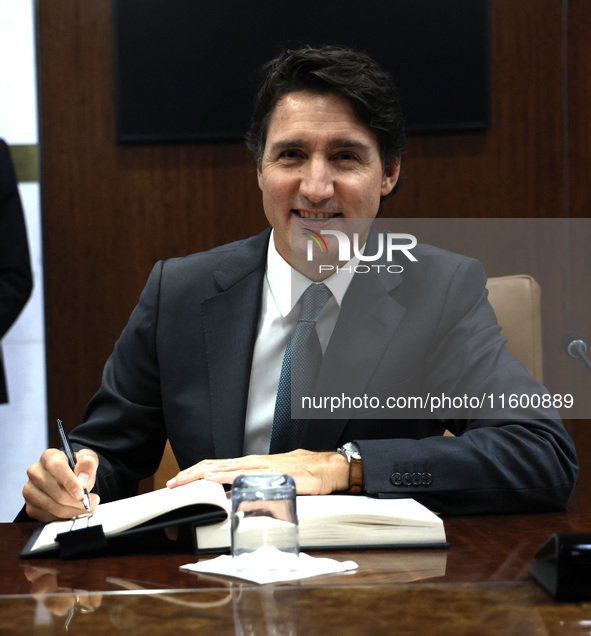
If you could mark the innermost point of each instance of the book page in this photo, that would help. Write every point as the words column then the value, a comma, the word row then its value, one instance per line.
column 327, row 520
column 120, row 515
column 368, row 510
column 348, row 520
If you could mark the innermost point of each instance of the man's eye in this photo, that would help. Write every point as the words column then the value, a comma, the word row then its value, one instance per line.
column 347, row 156
column 290, row 154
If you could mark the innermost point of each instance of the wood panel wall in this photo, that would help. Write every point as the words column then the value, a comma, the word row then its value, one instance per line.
column 110, row 212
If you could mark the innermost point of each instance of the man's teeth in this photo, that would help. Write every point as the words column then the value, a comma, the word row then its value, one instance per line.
column 316, row 215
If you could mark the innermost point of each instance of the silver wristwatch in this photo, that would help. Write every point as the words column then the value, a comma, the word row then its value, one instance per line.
column 350, row 450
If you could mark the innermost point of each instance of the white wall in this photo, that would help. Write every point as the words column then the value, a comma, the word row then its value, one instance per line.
column 23, row 428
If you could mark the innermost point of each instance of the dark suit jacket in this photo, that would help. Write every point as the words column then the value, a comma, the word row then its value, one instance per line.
column 16, row 281
column 181, row 370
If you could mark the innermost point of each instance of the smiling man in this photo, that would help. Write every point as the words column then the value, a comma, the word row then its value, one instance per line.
column 211, row 351
column 321, row 163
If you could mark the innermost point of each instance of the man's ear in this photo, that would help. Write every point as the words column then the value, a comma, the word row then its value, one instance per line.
column 260, row 178
column 389, row 179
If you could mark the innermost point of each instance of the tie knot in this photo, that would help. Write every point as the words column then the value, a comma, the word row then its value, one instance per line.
column 313, row 300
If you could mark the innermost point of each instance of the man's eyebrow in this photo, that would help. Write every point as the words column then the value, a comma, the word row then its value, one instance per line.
column 345, row 142
column 285, row 144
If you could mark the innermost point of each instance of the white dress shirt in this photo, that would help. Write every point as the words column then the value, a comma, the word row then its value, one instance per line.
column 282, row 290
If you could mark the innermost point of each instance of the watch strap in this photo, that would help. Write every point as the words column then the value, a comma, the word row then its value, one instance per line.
column 356, row 477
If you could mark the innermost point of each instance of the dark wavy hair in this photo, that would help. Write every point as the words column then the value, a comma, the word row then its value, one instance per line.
column 350, row 74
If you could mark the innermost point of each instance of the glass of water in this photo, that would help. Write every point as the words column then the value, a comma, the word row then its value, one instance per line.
column 265, row 522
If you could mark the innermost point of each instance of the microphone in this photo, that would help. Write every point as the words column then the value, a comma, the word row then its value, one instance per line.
column 576, row 347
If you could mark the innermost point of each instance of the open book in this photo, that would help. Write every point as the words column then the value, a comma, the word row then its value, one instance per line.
column 325, row 521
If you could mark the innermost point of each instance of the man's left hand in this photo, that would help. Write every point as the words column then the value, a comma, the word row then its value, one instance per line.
column 314, row 473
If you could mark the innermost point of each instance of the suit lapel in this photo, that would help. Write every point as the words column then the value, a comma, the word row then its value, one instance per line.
column 230, row 321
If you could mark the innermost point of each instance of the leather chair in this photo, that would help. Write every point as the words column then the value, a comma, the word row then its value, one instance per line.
column 517, row 304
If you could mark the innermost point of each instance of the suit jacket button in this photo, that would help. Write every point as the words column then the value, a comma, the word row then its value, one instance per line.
column 407, row 479
column 396, row 479
column 427, row 479
column 417, row 479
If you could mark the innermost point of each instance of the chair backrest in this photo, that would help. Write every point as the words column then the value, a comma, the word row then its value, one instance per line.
column 517, row 304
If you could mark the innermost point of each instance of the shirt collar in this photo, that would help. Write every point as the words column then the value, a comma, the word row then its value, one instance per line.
column 287, row 284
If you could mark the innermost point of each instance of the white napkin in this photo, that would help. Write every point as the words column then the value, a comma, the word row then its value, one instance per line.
column 270, row 566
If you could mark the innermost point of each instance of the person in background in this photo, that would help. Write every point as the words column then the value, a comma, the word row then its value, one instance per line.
column 16, row 279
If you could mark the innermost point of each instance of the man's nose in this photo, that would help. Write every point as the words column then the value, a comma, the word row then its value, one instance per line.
column 317, row 182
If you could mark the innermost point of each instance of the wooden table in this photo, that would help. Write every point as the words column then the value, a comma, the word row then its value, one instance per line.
column 481, row 585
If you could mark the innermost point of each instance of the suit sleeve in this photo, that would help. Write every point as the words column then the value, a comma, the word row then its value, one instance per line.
column 124, row 422
column 500, row 460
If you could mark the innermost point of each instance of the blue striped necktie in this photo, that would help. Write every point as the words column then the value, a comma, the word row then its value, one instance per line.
column 301, row 362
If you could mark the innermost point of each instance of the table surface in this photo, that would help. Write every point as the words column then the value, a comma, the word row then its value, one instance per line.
column 480, row 585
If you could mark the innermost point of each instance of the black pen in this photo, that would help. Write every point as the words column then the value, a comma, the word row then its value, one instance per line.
column 71, row 459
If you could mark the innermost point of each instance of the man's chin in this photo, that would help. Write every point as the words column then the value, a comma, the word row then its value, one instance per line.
column 316, row 267
column 315, row 243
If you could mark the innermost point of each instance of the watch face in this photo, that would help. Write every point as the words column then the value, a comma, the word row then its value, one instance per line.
column 352, row 450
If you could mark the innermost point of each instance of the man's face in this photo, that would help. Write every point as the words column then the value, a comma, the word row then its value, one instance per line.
column 321, row 163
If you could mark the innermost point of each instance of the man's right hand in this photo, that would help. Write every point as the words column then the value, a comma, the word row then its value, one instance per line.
column 54, row 491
